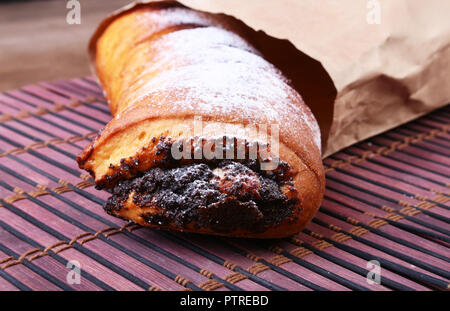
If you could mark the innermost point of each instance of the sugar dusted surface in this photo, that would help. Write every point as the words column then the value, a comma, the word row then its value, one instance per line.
column 214, row 71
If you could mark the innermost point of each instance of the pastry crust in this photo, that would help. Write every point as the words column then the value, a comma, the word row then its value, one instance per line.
column 165, row 67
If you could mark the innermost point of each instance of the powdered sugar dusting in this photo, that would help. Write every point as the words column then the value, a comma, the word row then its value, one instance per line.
column 214, row 71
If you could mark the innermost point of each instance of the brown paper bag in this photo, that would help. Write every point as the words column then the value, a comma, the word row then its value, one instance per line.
column 362, row 66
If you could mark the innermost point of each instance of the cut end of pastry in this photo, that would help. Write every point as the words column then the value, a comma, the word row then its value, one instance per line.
column 232, row 197
column 220, row 197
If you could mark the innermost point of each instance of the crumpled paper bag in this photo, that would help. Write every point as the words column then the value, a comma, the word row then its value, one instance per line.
column 362, row 66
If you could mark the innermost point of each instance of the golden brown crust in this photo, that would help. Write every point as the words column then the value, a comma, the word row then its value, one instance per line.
column 159, row 65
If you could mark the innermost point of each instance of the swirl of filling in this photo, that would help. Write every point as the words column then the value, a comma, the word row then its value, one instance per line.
column 223, row 195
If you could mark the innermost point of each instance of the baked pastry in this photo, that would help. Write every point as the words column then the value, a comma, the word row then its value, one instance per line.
column 207, row 136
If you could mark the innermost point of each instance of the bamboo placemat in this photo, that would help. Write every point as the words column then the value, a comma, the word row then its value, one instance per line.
column 387, row 199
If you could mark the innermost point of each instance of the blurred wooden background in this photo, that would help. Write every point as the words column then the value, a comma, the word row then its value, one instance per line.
column 36, row 43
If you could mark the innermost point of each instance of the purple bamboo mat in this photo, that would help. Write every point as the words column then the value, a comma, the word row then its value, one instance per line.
column 387, row 199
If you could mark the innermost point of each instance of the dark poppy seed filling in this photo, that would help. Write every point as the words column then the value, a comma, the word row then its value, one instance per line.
column 222, row 195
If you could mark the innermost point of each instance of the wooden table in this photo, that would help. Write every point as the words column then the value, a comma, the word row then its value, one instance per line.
column 36, row 43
